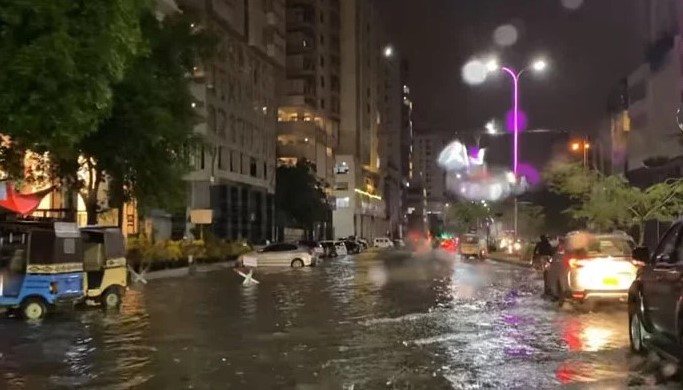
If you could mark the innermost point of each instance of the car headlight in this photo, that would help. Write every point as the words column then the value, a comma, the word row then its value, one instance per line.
column 517, row 246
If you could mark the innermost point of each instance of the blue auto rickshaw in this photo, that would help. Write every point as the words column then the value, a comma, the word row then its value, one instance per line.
column 41, row 267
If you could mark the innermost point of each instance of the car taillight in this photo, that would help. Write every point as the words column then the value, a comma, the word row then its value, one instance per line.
column 576, row 263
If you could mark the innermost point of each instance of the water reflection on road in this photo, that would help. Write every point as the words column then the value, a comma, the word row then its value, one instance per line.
column 378, row 320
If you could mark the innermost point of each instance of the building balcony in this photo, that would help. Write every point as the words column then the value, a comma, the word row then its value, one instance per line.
column 297, row 150
column 302, row 3
column 201, row 129
column 301, row 64
column 300, row 100
column 303, row 130
column 198, row 91
column 299, row 42
column 272, row 19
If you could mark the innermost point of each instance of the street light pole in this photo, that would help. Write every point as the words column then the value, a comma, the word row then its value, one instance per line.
column 515, row 129
column 539, row 66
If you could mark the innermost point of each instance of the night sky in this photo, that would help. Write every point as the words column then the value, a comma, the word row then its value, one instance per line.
column 588, row 49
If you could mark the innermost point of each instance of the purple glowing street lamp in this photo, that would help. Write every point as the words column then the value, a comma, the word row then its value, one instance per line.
column 537, row 66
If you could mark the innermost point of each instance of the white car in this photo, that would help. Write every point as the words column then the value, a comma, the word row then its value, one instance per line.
column 279, row 255
column 339, row 247
column 596, row 268
column 382, row 242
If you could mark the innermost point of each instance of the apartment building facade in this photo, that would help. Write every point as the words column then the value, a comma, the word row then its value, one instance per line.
column 236, row 95
column 359, row 175
column 647, row 125
column 309, row 111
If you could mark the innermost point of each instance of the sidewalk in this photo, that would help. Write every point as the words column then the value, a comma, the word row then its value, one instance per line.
column 503, row 257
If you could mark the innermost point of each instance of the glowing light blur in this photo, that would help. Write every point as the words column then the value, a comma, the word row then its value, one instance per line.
column 510, row 121
column 455, row 157
column 388, row 51
column 539, row 65
column 468, row 176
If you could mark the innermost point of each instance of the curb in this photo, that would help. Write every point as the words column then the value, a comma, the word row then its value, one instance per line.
column 185, row 271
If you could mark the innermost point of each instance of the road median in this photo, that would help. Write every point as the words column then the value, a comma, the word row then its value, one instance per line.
column 503, row 257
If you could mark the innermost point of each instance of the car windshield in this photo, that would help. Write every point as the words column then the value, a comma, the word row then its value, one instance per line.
column 471, row 239
column 605, row 246
column 265, row 155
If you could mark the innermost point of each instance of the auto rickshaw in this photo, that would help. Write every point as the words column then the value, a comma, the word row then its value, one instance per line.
column 40, row 267
column 472, row 246
column 105, row 266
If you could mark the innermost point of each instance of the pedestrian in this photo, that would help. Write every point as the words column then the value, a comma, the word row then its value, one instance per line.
column 542, row 251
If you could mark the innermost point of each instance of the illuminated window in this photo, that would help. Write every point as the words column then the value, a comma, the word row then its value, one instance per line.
column 341, row 169
column 344, row 202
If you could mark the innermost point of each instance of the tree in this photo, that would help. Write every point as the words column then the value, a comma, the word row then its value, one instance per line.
column 299, row 195
column 141, row 148
column 59, row 62
column 530, row 217
column 608, row 202
column 463, row 215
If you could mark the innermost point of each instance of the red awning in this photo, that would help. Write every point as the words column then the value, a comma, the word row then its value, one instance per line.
column 19, row 203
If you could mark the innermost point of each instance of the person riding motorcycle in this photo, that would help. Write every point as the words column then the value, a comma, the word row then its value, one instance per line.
column 542, row 251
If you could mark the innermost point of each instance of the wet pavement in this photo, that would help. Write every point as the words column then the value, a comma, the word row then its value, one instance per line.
column 373, row 321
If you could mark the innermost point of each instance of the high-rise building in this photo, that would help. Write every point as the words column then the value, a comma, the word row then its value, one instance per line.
column 406, row 125
column 310, row 103
column 428, row 145
column 390, row 148
column 361, row 208
column 236, row 95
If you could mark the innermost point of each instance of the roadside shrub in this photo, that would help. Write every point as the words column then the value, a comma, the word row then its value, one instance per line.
column 145, row 255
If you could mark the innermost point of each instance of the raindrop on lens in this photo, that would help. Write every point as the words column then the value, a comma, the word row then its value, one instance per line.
column 505, row 35
column 474, row 72
column 572, row 4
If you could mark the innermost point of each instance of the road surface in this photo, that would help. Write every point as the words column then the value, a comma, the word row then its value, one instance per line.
column 374, row 321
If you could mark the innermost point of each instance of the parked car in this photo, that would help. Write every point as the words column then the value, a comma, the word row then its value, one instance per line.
column 339, row 247
column 313, row 245
column 655, row 312
column 382, row 242
column 279, row 255
column 589, row 269
column 352, row 247
column 260, row 244
column 364, row 244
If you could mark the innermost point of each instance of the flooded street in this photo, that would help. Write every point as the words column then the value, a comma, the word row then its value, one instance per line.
column 377, row 320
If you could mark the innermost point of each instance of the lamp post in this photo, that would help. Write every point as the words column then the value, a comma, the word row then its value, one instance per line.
column 537, row 66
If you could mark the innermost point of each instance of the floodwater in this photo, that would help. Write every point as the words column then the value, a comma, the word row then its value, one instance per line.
column 373, row 321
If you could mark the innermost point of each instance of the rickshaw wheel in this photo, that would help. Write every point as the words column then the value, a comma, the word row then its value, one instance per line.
column 111, row 298
column 33, row 309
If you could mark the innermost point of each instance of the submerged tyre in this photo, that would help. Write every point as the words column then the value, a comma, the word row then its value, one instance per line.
column 33, row 309
column 111, row 298
column 297, row 263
